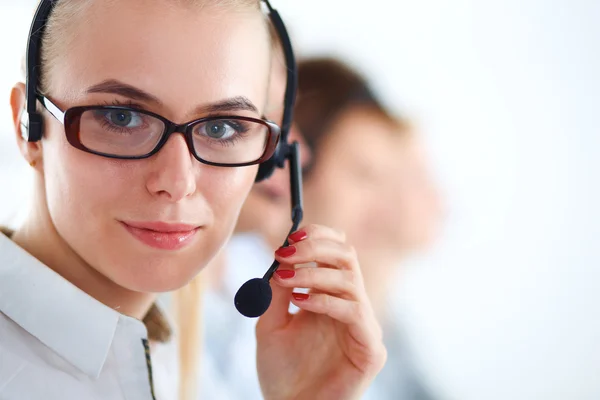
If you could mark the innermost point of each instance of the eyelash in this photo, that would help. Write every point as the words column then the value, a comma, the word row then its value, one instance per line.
column 242, row 133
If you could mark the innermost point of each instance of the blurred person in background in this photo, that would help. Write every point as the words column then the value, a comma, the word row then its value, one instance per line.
column 369, row 178
column 365, row 174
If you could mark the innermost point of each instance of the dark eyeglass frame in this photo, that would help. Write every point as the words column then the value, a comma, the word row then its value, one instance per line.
column 71, row 119
column 33, row 61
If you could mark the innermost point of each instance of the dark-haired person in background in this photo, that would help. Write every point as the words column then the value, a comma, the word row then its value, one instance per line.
column 366, row 176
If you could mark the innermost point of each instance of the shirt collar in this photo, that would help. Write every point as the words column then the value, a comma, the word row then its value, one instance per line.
column 70, row 322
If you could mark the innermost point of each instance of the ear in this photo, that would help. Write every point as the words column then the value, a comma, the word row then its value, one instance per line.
column 31, row 151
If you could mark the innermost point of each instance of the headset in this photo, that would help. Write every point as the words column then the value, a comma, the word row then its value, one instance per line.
column 254, row 297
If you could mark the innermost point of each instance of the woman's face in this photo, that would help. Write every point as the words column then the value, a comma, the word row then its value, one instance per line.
column 369, row 182
column 417, row 209
column 178, row 62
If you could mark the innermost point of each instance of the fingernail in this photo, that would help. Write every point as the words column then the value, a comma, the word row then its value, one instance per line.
column 286, row 251
column 285, row 273
column 300, row 296
column 298, row 236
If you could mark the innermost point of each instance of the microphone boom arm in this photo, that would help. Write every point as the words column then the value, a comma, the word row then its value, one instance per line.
column 296, row 191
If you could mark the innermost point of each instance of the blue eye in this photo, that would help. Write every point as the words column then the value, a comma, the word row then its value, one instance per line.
column 222, row 130
column 124, row 119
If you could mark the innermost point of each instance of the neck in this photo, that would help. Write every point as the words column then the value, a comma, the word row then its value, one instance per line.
column 39, row 237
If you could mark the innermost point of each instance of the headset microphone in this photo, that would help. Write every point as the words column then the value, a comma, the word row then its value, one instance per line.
column 254, row 297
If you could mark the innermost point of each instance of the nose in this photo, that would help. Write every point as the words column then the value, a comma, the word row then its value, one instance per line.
column 172, row 176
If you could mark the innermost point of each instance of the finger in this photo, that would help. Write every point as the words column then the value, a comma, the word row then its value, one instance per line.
column 349, row 312
column 277, row 315
column 362, row 324
column 314, row 231
column 328, row 280
column 322, row 251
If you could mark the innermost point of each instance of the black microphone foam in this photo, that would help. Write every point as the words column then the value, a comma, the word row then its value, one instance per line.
column 253, row 298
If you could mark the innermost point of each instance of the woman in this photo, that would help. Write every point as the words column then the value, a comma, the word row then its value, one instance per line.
column 368, row 177
column 106, row 231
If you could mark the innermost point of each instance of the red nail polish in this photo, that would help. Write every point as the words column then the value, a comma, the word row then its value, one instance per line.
column 298, row 236
column 286, row 251
column 300, row 296
column 285, row 273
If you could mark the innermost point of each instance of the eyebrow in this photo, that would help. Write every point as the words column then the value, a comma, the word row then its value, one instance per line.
column 113, row 86
column 122, row 89
column 238, row 103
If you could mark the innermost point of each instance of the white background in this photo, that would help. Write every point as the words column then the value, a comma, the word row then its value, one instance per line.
column 507, row 306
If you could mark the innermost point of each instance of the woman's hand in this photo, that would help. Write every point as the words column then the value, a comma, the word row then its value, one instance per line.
column 332, row 349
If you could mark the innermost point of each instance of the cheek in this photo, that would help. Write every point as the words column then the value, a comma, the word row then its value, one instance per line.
column 318, row 198
column 233, row 185
column 415, row 203
column 79, row 186
column 329, row 200
column 415, row 218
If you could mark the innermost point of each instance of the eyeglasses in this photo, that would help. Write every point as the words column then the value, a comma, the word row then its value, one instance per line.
column 130, row 133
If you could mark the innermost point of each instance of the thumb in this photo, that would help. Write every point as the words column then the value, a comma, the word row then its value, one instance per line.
column 277, row 316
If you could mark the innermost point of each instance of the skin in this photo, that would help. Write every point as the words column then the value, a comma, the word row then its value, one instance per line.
column 74, row 225
column 377, row 189
column 416, row 207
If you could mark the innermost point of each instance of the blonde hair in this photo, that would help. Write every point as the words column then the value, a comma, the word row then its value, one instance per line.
column 187, row 301
column 187, row 307
column 67, row 11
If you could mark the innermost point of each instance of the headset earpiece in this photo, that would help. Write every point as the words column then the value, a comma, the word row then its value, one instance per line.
column 266, row 169
column 35, row 127
column 24, row 122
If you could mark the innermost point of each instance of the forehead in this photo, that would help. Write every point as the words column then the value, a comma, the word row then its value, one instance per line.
column 181, row 55
column 365, row 134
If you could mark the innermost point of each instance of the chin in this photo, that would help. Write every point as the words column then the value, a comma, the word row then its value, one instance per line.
column 155, row 274
column 154, row 284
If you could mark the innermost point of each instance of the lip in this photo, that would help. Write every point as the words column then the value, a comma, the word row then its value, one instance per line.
column 162, row 235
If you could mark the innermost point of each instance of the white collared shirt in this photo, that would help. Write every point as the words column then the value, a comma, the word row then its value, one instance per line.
column 57, row 342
